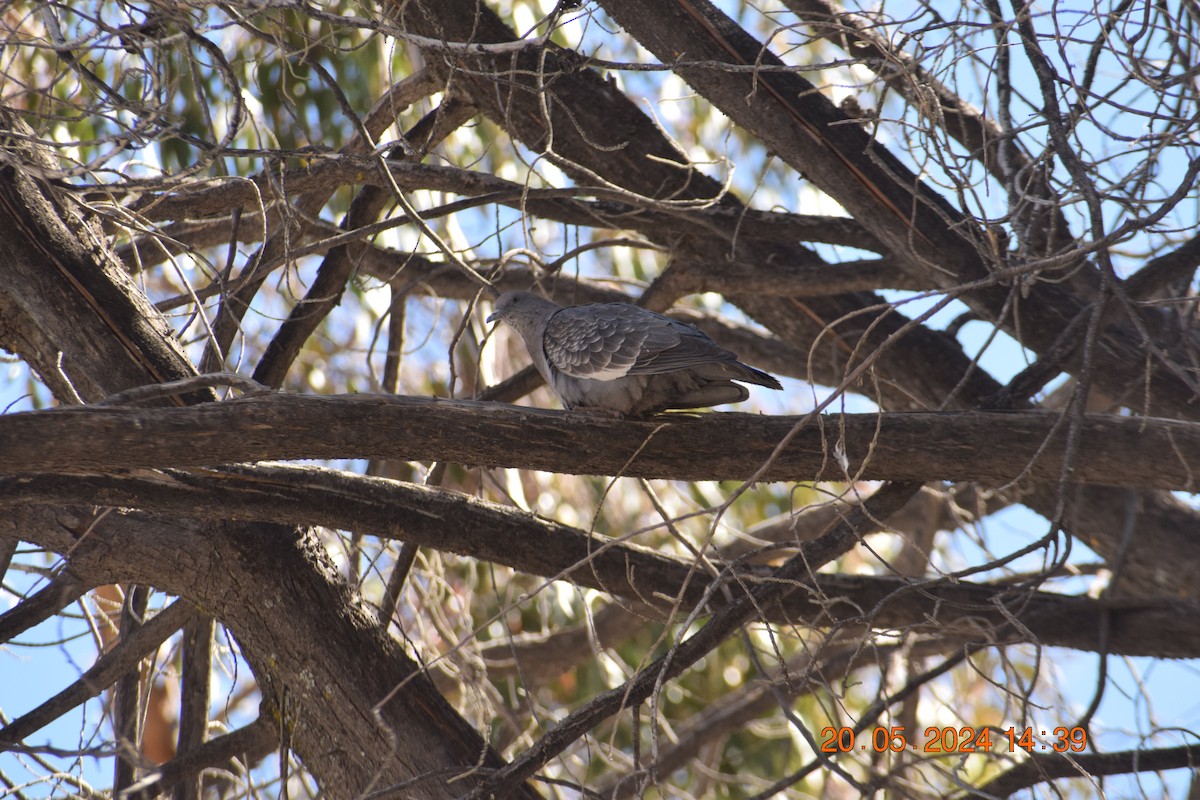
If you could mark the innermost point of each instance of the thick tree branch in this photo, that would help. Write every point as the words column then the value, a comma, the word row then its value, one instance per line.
column 55, row 264
column 300, row 634
column 924, row 232
column 491, row 532
column 1000, row 447
column 1177, row 266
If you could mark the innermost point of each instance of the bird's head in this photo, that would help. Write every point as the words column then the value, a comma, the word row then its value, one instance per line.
column 522, row 310
column 507, row 304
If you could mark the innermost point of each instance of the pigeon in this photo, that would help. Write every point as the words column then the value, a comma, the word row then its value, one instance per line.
column 623, row 360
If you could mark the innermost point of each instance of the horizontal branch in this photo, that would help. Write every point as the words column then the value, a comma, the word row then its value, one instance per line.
column 587, row 206
column 1049, row 766
column 950, row 446
column 468, row 526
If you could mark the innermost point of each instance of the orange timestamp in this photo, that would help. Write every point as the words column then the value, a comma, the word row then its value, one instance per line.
column 949, row 739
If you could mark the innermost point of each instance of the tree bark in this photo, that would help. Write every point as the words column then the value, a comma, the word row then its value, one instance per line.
column 991, row 447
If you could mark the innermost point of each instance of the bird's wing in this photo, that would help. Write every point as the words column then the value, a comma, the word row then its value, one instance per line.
column 606, row 341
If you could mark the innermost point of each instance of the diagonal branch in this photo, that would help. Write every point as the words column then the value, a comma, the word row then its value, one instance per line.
column 55, row 264
column 63, row 589
column 298, row 635
column 248, row 744
column 921, row 229
column 491, row 532
column 995, row 148
column 340, row 263
column 109, row 668
column 307, row 207
column 1177, row 266
column 786, row 580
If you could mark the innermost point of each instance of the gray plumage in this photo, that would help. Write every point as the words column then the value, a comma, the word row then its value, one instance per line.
column 622, row 359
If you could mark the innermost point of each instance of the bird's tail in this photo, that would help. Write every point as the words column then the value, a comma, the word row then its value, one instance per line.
column 749, row 374
column 737, row 371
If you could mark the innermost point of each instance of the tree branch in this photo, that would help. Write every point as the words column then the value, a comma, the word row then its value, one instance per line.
column 487, row 531
column 1043, row 767
column 195, row 697
column 1179, row 265
column 249, row 743
column 584, row 205
column 993, row 447
column 109, row 668
column 299, row 635
column 922, row 231
column 785, row 581
column 62, row 590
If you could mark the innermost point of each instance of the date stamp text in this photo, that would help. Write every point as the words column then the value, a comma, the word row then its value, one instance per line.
column 951, row 740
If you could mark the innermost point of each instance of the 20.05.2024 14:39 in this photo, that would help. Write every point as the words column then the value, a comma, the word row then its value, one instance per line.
column 948, row 739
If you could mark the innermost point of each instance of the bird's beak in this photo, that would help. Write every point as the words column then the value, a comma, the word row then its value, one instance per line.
column 493, row 317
